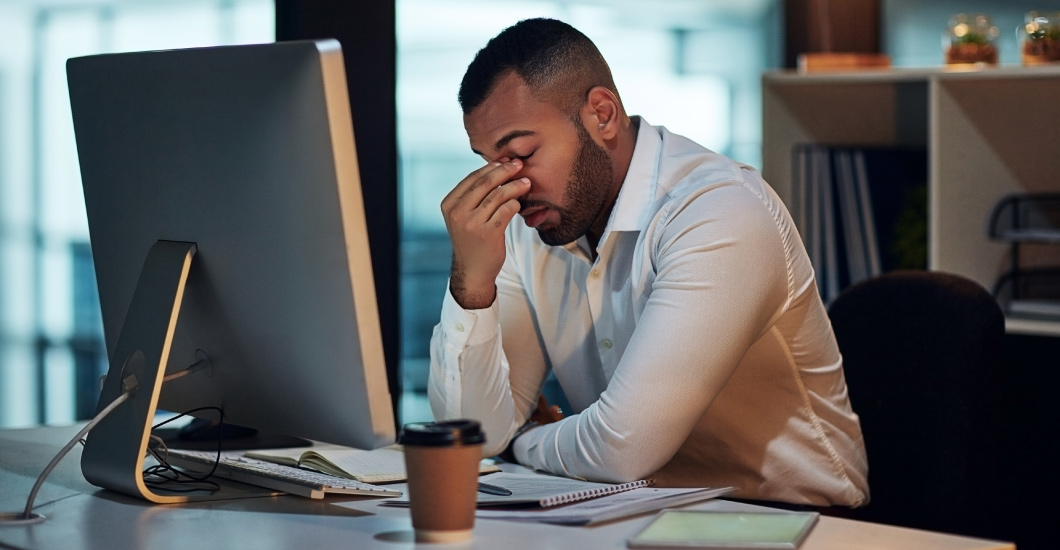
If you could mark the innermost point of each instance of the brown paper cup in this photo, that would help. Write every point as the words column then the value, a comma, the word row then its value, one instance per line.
column 442, row 478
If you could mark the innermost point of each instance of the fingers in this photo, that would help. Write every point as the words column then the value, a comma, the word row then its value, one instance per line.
column 507, row 196
column 472, row 190
column 488, row 202
column 476, row 213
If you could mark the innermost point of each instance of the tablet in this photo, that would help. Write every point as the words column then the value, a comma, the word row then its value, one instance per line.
column 726, row 530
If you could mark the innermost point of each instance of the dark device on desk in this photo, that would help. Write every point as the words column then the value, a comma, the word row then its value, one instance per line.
column 230, row 247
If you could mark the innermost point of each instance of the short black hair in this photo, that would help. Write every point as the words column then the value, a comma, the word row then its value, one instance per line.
column 557, row 61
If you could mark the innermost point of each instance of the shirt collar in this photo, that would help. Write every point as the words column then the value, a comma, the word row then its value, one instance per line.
column 633, row 206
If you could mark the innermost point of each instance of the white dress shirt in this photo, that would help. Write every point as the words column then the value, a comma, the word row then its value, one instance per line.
column 694, row 349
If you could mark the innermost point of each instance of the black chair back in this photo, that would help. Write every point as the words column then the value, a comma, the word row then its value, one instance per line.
column 923, row 357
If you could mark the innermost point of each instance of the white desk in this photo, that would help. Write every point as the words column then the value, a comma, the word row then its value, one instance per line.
column 81, row 516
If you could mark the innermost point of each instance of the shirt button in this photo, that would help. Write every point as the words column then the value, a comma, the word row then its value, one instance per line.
column 460, row 327
column 595, row 274
column 606, row 344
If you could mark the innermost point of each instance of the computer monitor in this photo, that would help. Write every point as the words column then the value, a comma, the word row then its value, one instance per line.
column 228, row 232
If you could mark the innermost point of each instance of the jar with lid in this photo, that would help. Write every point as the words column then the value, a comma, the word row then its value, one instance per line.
column 971, row 39
column 1039, row 38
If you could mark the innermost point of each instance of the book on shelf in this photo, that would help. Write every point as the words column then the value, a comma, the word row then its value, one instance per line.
column 383, row 465
column 815, row 62
column 853, row 218
column 827, row 211
column 861, row 211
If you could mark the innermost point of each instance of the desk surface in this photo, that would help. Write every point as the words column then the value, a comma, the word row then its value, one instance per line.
column 83, row 516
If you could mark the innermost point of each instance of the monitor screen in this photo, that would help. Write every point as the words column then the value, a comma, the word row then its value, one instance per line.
column 247, row 154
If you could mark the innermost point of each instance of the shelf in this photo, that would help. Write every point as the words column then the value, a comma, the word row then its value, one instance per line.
column 1040, row 236
column 988, row 133
column 900, row 74
column 1031, row 327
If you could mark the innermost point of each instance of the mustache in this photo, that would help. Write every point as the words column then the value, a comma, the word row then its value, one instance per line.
column 525, row 203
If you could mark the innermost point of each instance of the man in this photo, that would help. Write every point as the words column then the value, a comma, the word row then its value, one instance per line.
column 665, row 285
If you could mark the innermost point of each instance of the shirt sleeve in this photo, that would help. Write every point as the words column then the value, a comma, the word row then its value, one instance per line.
column 470, row 376
column 721, row 278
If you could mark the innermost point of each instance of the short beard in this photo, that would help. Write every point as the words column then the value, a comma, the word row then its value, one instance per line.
column 586, row 194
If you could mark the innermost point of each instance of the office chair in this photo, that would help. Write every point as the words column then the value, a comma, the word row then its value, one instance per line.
column 923, row 356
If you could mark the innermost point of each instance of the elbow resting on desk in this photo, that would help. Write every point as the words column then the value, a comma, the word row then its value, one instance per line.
column 550, row 449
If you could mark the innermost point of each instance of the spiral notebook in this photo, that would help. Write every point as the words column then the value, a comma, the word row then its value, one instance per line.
column 541, row 491
column 608, row 507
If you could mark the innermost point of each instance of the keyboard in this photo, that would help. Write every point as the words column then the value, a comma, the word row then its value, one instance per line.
column 288, row 479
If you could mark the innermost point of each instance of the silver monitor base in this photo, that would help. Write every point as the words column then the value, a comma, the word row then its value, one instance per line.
column 115, row 450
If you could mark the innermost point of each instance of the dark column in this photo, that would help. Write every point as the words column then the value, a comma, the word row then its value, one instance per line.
column 1028, row 449
column 367, row 33
column 839, row 26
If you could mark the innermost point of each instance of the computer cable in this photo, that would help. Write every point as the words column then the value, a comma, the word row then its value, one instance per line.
column 164, row 476
column 27, row 516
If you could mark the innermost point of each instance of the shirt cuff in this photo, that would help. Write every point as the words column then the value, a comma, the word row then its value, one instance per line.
column 468, row 327
column 520, row 447
column 509, row 452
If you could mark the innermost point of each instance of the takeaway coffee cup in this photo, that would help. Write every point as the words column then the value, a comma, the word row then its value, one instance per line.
column 442, row 461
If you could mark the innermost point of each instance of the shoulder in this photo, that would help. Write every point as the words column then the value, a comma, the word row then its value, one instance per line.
column 697, row 185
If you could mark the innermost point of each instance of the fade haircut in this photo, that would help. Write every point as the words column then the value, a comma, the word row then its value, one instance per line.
column 558, row 63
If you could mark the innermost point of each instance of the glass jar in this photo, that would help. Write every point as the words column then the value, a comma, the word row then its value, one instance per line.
column 971, row 39
column 1039, row 38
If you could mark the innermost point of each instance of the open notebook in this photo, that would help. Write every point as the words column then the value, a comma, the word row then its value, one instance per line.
column 382, row 465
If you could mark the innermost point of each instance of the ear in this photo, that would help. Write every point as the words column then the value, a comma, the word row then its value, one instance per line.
column 602, row 112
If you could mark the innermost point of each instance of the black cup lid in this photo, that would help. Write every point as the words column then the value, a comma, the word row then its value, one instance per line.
column 444, row 433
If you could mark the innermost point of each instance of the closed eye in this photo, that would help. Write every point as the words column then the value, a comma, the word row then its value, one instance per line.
column 523, row 157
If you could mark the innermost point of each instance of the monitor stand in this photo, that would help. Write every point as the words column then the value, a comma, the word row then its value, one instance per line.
column 202, row 434
column 114, row 453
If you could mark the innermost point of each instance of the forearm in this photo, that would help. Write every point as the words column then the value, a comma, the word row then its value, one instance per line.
column 470, row 376
column 641, row 421
column 637, row 425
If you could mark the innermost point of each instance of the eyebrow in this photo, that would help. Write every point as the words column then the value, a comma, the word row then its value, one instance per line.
column 507, row 138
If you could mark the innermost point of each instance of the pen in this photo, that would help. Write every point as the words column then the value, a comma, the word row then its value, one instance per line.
column 493, row 489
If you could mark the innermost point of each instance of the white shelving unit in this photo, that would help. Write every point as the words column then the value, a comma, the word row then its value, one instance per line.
column 988, row 133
